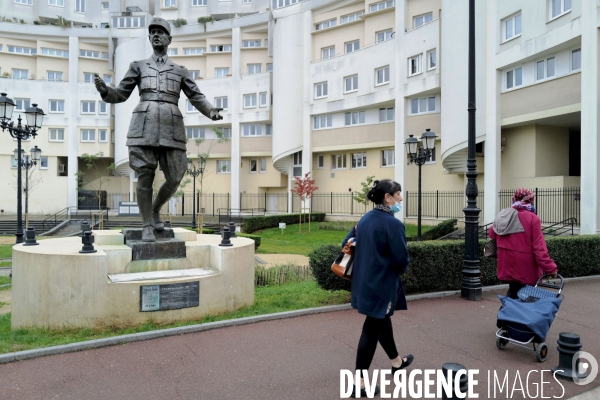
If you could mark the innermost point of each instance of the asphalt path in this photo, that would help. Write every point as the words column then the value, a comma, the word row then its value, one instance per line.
column 301, row 358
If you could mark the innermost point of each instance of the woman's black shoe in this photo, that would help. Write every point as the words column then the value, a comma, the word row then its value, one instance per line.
column 363, row 392
column 409, row 360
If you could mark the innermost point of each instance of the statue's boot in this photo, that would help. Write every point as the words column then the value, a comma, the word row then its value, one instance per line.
column 164, row 194
column 144, row 200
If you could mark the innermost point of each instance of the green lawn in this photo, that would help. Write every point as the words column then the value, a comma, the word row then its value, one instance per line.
column 6, row 251
column 4, row 280
column 294, row 242
column 267, row 300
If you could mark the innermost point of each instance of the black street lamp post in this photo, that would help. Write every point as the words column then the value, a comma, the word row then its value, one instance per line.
column 28, row 162
column 195, row 171
column 471, row 288
column 34, row 117
column 419, row 155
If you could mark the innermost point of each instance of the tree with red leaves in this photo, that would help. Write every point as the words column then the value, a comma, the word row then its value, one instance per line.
column 304, row 189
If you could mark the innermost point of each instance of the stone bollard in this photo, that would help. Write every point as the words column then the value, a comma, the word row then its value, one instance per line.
column 569, row 344
column 454, row 368
column 232, row 229
column 88, row 243
column 30, row 237
column 226, row 235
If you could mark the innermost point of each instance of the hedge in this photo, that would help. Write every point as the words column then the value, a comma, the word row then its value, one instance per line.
column 254, row 224
column 256, row 238
column 437, row 265
column 442, row 229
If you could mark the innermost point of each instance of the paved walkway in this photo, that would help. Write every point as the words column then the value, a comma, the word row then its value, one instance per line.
column 301, row 358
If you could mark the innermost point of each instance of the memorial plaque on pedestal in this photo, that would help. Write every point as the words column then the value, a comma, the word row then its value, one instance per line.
column 169, row 297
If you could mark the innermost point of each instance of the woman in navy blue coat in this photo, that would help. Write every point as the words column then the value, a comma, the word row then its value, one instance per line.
column 380, row 257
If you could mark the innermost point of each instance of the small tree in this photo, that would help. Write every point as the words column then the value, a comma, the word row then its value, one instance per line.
column 304, row 189
column 31, row 181
column 361, row 196
column 205, row 20
column 179, row 22
column 102, row 175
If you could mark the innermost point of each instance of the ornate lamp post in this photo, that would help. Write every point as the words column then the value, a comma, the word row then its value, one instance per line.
column 27, row 162
column 471, row 288
column 34, row 117
column 195, row 171
column 419, row 155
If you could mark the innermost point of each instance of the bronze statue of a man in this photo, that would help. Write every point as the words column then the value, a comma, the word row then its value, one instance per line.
column 156, row 132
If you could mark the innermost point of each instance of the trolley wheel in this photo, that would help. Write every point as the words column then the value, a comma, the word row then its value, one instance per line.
column 501, row 343
column 541, row 352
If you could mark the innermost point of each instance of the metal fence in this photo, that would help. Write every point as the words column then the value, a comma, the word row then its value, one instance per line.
column 439, row 204
column 552, row 205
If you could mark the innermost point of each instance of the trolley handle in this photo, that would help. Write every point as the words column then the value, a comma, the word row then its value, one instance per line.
column 540, row 283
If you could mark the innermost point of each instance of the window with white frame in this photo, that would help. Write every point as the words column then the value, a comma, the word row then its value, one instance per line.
column 104, row 55
column 221, row 102
column 382, row 75
column 88, row 107
column 557, row 8
column 195, row 133
column 297, row 164
column 576, row 60
column 104, row 25
column 43, row 162
column 327, row 52
column 351, row 83
column 320, row 90
column 170, row 3
column 263, row 165
column 545, row 69
column 56, row 135
column 383, row 35
column 88, row 77
column 172, row 52
column 58, row 3
column 57, row 106
column 381, row 6
column 359, row 160
column 223, row 166
column 247, row 1
column 88, row 135
column 194, row 51
column 511, row 27
column 26, row 2
column 220, row 48
column 263, row 99
column 107, row 79
column 251, row 43
column 105, row 5
column 89, row 53
column 22, row 50
column 250, row 100
column 386, row 114
column 252, row 130
column 320, row 162
column 269, row 130
column 221, row 72
column 326, row 24
column 13, row 163
column 352, row 46
column 432, row 158
column 55, row 52
column 422, row 19
column 283, row 3
column 322, row 121
column 254, row 69
column 351, row 17
column 103, row 135
column 414, row 65
column 54, row 76
column 253, row 166
column 354, row 118
column 431, row 59
column 266, row 42
column 514, row 78
column 422, row 105
column 22, row 104
column 338, row 161
column 388, row 158
column 190, row 107
column 269, row 67
column 102, row 107
column 19, row 73
column 129, row 22
column 226, row 132
column 197, row 3
column 80, row 6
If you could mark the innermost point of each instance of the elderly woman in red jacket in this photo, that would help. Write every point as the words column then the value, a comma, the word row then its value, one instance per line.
column 522, row 251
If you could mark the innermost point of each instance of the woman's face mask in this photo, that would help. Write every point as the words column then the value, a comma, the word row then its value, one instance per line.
column 397, row 206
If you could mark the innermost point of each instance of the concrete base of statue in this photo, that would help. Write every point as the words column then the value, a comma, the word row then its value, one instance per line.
column 55, row 286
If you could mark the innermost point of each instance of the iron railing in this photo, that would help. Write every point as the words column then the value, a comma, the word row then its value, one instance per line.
column 55, row 219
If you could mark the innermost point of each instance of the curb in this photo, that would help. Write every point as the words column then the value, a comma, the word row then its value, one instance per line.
column 160, row 333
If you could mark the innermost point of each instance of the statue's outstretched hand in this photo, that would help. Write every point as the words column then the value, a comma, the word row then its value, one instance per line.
column 214, row 114
column 100, row 85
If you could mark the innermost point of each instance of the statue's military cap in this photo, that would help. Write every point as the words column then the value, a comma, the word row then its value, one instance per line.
column 160, row 23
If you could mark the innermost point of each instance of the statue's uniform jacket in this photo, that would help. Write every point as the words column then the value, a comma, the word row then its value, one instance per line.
column 157, row 120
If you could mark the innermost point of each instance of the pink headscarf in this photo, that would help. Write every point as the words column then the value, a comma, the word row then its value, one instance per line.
column 523, row 195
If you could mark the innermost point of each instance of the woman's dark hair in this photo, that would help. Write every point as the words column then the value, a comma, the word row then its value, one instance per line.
column 380, row 188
